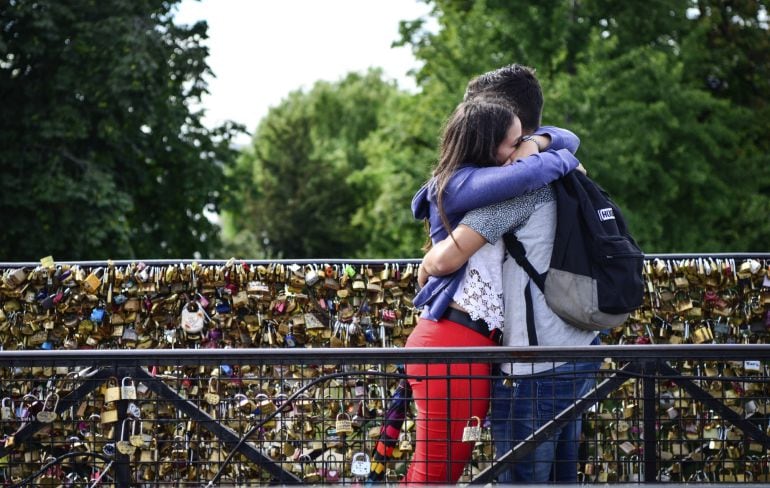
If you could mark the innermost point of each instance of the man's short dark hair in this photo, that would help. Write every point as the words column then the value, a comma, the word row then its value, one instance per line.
column 519, row 85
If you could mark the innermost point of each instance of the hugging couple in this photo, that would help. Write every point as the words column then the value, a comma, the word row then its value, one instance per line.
column 493, row 177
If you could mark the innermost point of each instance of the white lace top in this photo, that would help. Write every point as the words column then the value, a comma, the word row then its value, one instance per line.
column 480, row 292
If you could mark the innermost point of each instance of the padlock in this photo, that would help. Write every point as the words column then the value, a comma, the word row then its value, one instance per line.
column 48, row 413
column 360, row 465
column 312, row 276
column 290, row 340
column 93, row 281
column 343, row 424
column 124, row 446
column 360, row 389
column 472, row 433
column 137, row 437
column 589, row 468
column 6, row 408
column 212, row 396
column 331, row 469
column 311, row 474
column 265, row 404
column 281, row 403
column 108, row 416
column 193, row 317
column 406, row 443
column 97, row 315
column 15, row 277
column 112, row 390
column 243, row 403
column 127, row 389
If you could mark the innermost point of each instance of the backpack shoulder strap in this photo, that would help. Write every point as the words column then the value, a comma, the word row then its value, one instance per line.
column 519, row 254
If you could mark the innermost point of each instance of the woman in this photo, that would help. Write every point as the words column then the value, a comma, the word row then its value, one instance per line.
column 480, row 136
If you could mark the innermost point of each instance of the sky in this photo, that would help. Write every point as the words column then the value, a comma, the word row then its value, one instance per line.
column 261, row 50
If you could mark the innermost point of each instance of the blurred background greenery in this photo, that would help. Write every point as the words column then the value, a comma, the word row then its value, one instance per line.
column 103, row 155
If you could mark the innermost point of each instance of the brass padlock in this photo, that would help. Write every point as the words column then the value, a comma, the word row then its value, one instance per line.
column 124, row 446
column 137, row 437
column 265, row 404
column 343, row 424
column 48, row 413
column 109, row 416
column 472, row 433
column 112, row 390
column 93, row 281
column 212, row 396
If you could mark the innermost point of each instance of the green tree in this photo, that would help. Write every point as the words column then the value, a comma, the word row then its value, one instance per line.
column 669, row 98
column 101, row 154
column 300, row 184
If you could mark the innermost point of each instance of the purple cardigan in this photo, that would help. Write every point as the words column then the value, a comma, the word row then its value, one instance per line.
column 473, row 187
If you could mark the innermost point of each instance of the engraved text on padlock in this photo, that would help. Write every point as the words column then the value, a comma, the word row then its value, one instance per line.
column 472, row 433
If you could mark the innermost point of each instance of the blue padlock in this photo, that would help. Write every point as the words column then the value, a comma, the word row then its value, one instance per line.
column 97, row 315
column 223, row 307
column 369, row 335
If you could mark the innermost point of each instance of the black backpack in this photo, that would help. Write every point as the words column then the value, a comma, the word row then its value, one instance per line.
column 594, row 280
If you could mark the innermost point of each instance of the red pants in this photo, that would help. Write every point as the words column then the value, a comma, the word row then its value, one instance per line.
column 445, row 402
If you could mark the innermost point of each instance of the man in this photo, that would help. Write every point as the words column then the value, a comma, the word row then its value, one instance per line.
column 527, row 395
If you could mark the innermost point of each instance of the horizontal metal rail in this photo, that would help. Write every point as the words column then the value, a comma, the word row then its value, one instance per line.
column 163, row 262
column 153, row 357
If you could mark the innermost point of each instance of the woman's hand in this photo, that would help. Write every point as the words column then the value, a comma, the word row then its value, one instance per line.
column 422, row 276
column 530, row 145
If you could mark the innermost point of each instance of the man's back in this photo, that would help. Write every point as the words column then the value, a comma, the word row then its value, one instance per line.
column 537, row 236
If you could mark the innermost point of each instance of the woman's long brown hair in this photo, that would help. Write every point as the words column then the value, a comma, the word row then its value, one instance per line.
column 471, row 136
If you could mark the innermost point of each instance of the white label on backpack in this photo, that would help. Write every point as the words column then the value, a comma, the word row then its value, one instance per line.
column 606, row 214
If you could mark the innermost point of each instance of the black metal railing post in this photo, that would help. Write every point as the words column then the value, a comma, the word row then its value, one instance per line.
column 650, row 408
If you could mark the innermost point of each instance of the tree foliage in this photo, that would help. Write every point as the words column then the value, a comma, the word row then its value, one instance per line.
column 101, row 154
column 669, row 98
column 302, row 184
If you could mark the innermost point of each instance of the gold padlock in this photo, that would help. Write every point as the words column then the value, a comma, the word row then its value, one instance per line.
column 343, row 424
column 212, row 396
column 124, row 446
column 112, row 390
column 109, row 416
column 266, row 405
column 93, row 281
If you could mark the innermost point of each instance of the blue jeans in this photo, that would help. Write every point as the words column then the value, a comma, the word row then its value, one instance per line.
column 521, row 409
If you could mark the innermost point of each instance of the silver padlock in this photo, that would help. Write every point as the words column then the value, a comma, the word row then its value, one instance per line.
column 361, row 464
column 472, row 433
column 127, row 389
column 6, row 413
